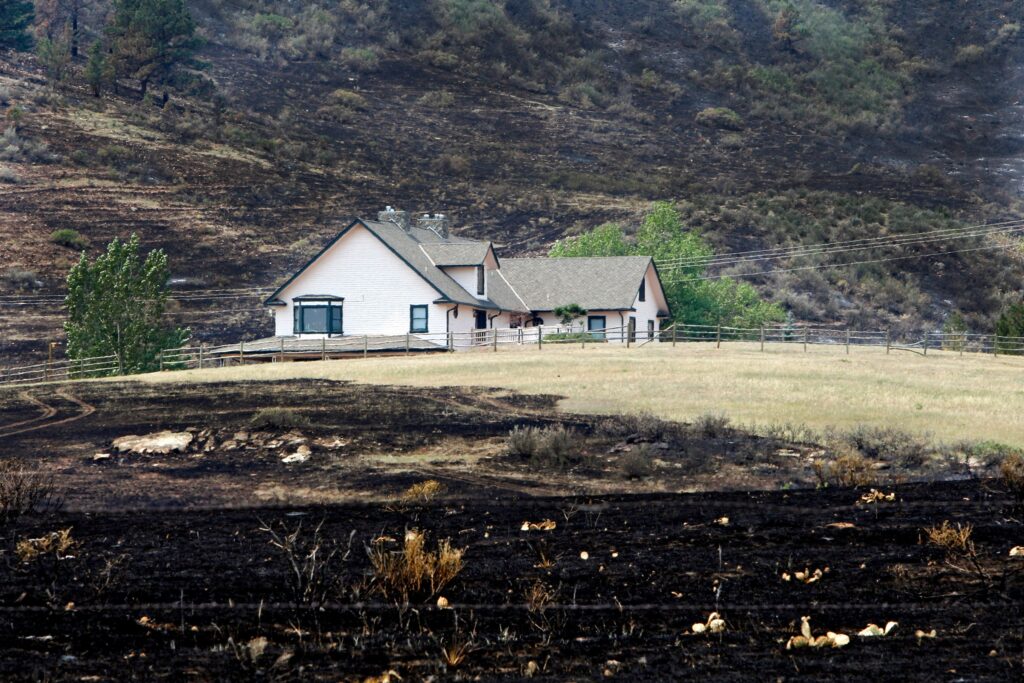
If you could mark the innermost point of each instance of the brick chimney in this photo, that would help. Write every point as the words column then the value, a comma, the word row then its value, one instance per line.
column 393, row 215
column 437, row 223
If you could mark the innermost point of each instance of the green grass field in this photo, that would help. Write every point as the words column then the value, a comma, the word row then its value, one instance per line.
column 943, row 395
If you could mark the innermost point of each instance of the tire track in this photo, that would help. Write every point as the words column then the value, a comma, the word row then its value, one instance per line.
column 84, row 410
column 46, row 413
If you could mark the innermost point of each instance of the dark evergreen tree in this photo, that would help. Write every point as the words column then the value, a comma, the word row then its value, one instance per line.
column 150, row 37
column 15, row 19
column 1010, row 330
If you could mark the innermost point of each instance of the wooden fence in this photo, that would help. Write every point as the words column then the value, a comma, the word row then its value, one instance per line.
column 288, row 349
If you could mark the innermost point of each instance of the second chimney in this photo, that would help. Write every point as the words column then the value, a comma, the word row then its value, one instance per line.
column 438, row 223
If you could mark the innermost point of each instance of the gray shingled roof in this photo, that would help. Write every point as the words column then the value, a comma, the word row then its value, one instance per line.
column 599, row 283
column 457, row 253
column 407, row 246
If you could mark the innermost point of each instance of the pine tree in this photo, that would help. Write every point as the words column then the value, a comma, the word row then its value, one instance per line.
column 116, row 307
column 98, row 70
column 15, row 19
column 150, row 37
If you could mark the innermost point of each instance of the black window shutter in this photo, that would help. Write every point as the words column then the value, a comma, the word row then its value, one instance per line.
column 298, row 319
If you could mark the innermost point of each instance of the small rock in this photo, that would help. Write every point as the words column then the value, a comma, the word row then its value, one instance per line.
column 101, row 456
column 241, row 436
column 229, row 445
column 301, row 454
column 532, row 669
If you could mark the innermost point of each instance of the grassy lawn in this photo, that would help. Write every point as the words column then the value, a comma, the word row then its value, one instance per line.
column 949, row 397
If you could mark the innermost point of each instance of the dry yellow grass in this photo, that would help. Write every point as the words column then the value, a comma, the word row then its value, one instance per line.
column 944, row 395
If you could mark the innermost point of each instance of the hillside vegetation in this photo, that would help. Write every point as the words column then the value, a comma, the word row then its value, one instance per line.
column 768, row 123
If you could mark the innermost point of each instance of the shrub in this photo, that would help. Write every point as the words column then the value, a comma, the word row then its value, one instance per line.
column 24, row 492
column 548, row 448
column 638, row 463
column 278, row 418
column 720, row 117
column 7, row 175
column 712, row 425
column 969, row 54
column 423, row 492
column 310, row 561
column 58, row 544
column 437, row 99
column 1011, row 471
column 360, row 58
column 414, row 571
column 643, row 426
column 846, row 471
column 888, row 443
column 20, row 279
column 955, row 540
column 347, row 98
column 66, row 237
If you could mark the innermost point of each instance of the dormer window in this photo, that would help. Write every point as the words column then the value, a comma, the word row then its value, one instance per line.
column 481, row 286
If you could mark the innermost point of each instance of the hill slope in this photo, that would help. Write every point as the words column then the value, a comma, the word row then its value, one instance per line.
column 772, row 124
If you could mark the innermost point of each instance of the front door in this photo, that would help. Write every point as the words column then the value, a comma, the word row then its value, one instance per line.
column 481, row 319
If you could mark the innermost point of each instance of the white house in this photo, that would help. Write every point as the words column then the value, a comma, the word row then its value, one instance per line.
column 391, row 277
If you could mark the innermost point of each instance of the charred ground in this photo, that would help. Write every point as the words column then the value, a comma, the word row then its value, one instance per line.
column 171, row 571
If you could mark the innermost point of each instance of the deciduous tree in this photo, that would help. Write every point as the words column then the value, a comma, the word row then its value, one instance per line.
column 116, row 306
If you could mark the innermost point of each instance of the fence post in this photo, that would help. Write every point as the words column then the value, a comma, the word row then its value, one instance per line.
column 805, row 340
column 718, row 336
column 888, row 342
column 995, row 345
column 161, row 355
column 241, row 353
column 366, row 345
column 963, row 343
column 925, row 343
column 451, row 341
column 407, row 344
column 762, row 338
column 540, row 337
column 495, row 330
column 675, row 333
column 281, row 360
column 847, row 341
column 202, row 349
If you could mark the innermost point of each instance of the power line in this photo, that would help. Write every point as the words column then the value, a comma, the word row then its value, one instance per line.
column 842, row 265
column 840, row 247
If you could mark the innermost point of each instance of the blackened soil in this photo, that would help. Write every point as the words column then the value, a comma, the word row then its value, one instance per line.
column 187, row 595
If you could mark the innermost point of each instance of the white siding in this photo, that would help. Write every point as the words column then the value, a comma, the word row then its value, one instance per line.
column 466, row 277
column 378, row 287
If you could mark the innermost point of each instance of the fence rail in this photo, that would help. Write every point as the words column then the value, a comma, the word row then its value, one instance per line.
column 285, row 349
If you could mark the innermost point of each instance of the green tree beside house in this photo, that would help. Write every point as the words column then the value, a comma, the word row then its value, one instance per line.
column 116, row 307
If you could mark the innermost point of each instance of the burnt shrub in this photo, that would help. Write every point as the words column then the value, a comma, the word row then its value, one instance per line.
column 889, row 444
column 847, row 470
column 642, row 426
column 546, row 448
column 24, row 492
column 414, row 572
column 278, row 418
column 1011, row 472
column 712, row 425
column 638, row 463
